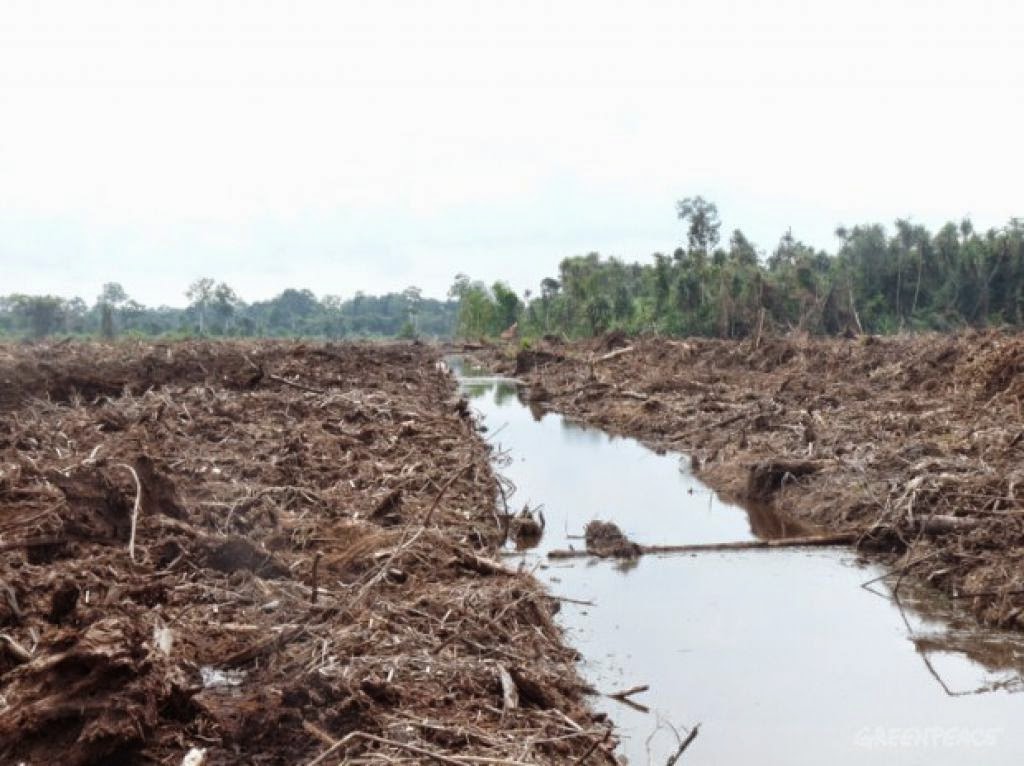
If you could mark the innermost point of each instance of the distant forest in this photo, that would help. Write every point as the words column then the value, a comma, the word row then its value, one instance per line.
column 215, row 310
column 876, row 281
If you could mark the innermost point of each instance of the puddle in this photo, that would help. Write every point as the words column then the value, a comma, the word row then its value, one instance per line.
column 782, row 656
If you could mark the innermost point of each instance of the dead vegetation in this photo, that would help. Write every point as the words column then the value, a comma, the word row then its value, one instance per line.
column 605, row 539
column 274, row 553
column 912, row 443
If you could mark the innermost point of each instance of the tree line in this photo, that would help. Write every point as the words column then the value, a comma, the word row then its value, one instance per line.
column 875, row 281
column 215, row 310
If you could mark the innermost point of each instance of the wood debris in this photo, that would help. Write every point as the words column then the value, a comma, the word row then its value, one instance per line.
column 300, row 559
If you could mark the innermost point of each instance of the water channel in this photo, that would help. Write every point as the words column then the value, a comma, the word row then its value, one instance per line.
column 782, row 656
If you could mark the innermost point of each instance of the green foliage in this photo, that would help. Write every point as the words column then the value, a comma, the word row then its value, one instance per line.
column 876, row 281
column 407, row 331
column 507, row 307
column 703, row 224
column 215, row 310
column 476, row 311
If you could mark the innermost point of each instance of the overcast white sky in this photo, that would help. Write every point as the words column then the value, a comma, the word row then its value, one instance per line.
column 372, row 145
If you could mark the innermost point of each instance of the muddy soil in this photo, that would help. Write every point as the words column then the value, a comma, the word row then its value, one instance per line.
column 914, row 443
column 263, row 551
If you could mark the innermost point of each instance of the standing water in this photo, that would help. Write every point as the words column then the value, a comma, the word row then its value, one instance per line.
column 781, row 655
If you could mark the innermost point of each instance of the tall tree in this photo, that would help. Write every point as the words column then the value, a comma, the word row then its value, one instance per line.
column 413, row 297
column 703, row 224
column 507, row 306
column 223, row 305
column 111, row 297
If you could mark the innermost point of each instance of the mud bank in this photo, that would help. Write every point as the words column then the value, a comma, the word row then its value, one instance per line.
column 912, row 443
column 273, row 553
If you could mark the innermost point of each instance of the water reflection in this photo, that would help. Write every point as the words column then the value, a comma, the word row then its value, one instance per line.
column 766, row 523
column 944, row 636
column 503, row 392
column 586, row 460
column 782, row 655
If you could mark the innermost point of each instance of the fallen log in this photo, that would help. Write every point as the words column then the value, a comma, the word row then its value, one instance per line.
column 939, row 524
column 613, row 354
column 481, row 565
column 841, row 538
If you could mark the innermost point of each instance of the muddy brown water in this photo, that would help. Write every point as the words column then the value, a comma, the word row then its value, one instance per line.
column 782, row 656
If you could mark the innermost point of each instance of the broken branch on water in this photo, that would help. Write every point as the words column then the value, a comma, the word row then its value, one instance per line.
column 683, row 745
column 621, row 695
column 841, row 538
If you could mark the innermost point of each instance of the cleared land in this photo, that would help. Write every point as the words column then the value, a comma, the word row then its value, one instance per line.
column 912, row 443
column 270, row 551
